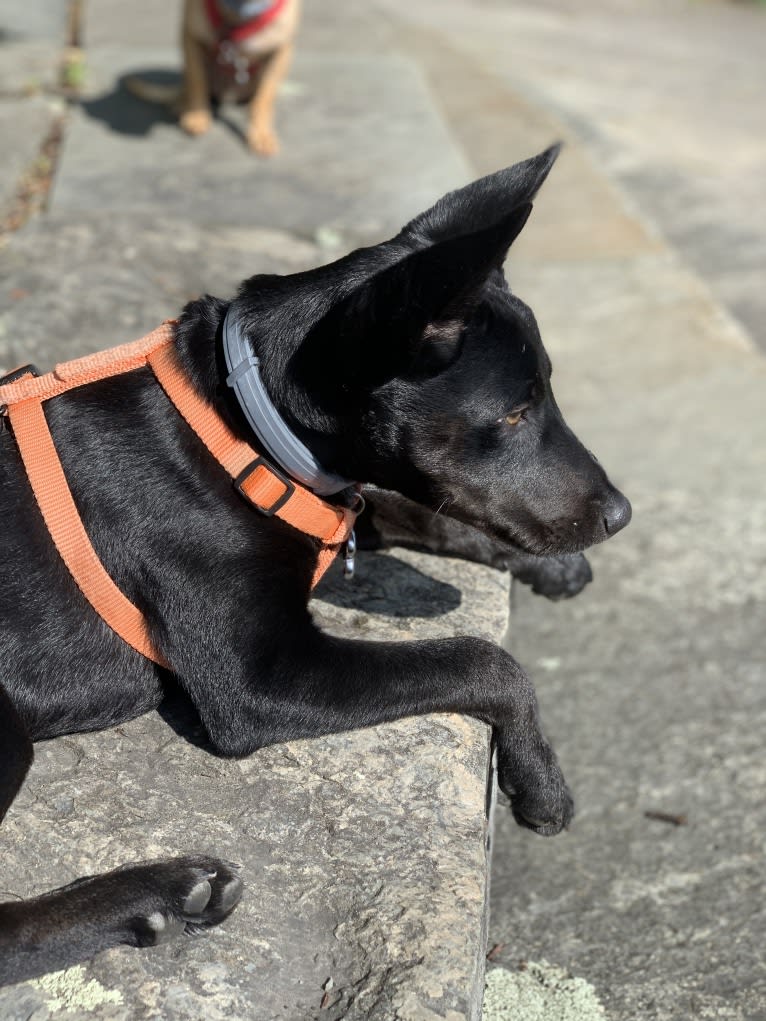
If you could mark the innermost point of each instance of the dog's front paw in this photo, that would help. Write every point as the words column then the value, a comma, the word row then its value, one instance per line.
column 151, row 902
column 539, row 796
column 554, row 577
column 196, row 122
column 263, row 139
column 187, row 895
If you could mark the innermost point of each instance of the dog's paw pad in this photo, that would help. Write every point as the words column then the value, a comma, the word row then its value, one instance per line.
column 161, row 928
column 214, row 892
column 198, row 898
column 231, row 894
column 187, row 894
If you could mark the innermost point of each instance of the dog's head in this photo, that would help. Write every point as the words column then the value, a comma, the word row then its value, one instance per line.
column 412, row 365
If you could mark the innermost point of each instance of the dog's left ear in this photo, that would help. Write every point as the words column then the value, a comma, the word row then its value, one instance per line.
column 483, row 202
column 408, row 317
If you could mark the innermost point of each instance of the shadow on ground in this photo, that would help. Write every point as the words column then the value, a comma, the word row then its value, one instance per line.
column 125, row 114
column 386, row 586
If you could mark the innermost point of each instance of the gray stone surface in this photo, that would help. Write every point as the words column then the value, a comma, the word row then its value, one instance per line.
column 144, row 23
column 23, row 125
column 105, row 281
column 651, row 682
column 359, row 135
column 33, row 19
column 668, row 95
column 27, row 67
column 364, row 854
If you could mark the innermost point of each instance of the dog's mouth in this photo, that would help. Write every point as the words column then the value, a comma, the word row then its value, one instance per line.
column 557, row 538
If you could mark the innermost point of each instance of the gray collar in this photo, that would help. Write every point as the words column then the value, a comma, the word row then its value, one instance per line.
column 279, row 441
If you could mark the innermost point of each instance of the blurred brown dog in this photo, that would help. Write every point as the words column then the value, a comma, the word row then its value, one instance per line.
column 232, row 49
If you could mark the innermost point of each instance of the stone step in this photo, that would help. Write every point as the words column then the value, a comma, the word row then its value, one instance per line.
column 363, row 150
column 364, row 854
column 72, row 284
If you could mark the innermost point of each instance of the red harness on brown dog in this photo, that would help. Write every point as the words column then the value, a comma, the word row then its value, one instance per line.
column 236, row 33
column 230, row 65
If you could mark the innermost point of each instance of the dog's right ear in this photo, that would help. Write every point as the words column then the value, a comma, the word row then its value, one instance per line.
column 408, row 317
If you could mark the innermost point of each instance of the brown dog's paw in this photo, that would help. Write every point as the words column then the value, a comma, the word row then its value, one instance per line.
column 195, row 122
column 262, row 140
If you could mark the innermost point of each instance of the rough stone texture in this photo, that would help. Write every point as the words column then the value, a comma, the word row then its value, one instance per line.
column 539, row 992
column 364, row 854
column 651, row 681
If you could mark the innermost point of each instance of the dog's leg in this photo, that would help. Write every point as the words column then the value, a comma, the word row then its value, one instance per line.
column 195, row 116
column 392, row 520
column 139, row 905
column 317, row 684
column 261, row 136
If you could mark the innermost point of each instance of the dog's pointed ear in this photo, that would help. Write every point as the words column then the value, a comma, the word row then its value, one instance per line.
column 485, row 201
column 408, row 317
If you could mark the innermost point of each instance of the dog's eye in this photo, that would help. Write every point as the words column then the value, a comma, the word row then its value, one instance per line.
column 514, row 417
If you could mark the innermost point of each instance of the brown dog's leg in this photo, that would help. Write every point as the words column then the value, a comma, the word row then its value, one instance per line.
column 261, row 136
column 195, row 116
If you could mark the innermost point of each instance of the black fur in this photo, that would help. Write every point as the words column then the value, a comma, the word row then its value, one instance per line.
column 398, row 366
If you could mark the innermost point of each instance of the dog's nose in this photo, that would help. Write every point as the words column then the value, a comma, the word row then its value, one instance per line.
column 617, row 513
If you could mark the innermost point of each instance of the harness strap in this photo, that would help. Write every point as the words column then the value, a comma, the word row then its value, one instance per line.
column 54, row 499
column 263, row 485
column 268, row 490
column 236, row 33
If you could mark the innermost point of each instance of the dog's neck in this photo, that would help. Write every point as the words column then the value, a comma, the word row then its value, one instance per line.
column 278, row 440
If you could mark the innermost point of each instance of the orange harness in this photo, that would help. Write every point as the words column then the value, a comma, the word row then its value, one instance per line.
column 266, row 489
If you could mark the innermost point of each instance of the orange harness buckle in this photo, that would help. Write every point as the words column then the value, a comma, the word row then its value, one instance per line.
column 245, row 476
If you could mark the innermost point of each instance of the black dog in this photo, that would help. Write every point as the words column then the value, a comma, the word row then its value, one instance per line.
column 408, row 365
